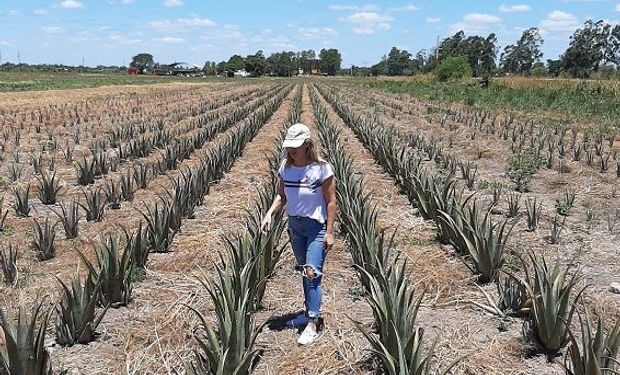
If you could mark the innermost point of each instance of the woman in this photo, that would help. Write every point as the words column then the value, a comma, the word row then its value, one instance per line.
column 308, row 191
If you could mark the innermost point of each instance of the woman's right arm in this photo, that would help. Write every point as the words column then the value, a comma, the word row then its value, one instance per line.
column 278, row 202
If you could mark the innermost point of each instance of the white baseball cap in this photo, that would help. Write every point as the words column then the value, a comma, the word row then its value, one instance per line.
column 296, row 135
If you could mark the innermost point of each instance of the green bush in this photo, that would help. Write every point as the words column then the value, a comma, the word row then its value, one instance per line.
column 539, row 71
column 452, row 68
column 522, row 168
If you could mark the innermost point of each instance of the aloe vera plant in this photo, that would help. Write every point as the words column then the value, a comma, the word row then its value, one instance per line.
column 22, row 200
column 599, row 352
column 48, row 188
column 8, row 265
column 483, row 241
column 554, row 294
column 85, row 170
column 44, row 238
column 137, row 245
column 229, row 349
column 95, row 204
column 25, row 351
column 533, row 212
column 3, row 214
column 113, row 271
column 158, row 229
column 69, row 217
column 513, row 205
column 398, row 343
column 76, row 315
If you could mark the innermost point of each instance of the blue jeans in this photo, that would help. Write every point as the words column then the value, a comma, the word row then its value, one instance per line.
column 307, row 237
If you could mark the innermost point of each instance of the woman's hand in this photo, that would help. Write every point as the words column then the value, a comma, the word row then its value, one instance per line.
column 265, row 224
column 328, row 241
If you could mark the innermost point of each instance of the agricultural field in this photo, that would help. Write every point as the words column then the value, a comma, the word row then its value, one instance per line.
column 16, row 81
column 482, row 240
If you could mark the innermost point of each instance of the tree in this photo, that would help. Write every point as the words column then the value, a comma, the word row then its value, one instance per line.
column 307, row 61
column 452, row 68
column 419, row 63
column 397, row 61
column 379, row 68
column 235, row 63
column 520, row 57
column 588, row 49
column 143, row 61
column 480, row 52
column 613, row 53
column 554, row 67
column 329, row 61
column 256, row 64
column 282, row 63
column 452, row 46
column 210, row 68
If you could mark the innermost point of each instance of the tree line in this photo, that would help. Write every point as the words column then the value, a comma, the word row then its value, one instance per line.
column 593, row 48
column 281, row 64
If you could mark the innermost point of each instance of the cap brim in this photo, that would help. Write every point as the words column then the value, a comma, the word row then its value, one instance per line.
column 292, row 143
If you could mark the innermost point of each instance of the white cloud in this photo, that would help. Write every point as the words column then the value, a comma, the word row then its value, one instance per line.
column 481, row 18
column 433, row 19
column 515, row 8
column 117, row 39
column 13, row 13
column 71, row 4
column 39, row 12
column 476, row 23
column 169, row 40
column 182, row 24
column 317, row 32
column 6, row 43
column 52, row 29
column 173, row 3
column 405, row 8
column 559, row 21
column 618, row 7
column 368, row 22
column 366, row 7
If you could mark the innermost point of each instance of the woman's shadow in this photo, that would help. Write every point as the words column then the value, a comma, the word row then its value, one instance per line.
column 296, row 320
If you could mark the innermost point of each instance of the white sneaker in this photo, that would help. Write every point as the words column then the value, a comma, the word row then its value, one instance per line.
column 308, row 335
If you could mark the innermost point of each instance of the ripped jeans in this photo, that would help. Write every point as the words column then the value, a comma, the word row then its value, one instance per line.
column 307, row 237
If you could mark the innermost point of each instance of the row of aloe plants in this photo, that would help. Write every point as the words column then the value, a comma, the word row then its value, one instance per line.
column 136, row 132
column 398, row 342
column 428, row 148
column 547, row 295
column 551, row 143
column 114, row 193
column 481, row 242
column 109, row 282
column 207, row 125
column 238, row 287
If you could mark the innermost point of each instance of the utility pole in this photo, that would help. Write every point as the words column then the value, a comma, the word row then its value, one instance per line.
column 82, row 60
column 437, row 49
column 19, row 62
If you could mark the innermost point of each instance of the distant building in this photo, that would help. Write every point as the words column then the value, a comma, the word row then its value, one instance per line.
column 242, row 73
column 184, row 69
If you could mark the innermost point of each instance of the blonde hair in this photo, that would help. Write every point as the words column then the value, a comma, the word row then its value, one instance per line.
column 312, row 153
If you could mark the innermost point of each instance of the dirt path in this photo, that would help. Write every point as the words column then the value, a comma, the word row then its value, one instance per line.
column 340, row 347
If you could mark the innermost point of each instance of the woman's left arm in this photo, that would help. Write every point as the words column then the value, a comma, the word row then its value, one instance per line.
column 329, row 190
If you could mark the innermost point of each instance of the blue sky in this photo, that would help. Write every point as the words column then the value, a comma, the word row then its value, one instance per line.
column 109, row 32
